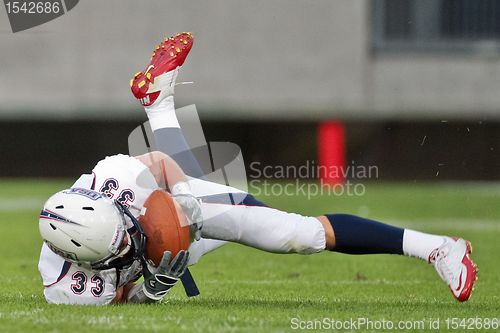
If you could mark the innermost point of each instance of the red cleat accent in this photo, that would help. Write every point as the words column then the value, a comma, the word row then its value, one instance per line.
column 167, row 56
column 470, row 278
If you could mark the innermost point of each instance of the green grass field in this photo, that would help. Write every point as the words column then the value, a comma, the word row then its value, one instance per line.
column 247, row 290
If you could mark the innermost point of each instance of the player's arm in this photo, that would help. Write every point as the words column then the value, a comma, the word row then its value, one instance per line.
column 166, row 171
column 121, row 293
column 168, row 174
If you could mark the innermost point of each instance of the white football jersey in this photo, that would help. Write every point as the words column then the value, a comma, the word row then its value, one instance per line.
column 122, row 178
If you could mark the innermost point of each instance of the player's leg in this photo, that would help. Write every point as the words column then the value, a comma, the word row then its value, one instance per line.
column 356, row 235
column 202, row 247
column 154, row 88
column 256, row 225
column 450, row 256
column 262, row 227
column 280, row 232
column 277, row 231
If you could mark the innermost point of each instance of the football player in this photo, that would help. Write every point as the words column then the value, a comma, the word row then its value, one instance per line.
column 93, row 244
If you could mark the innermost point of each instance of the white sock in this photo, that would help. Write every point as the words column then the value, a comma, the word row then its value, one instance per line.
column 163, row 114
column 420, row 245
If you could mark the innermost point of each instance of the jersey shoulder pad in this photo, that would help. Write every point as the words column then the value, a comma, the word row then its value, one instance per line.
column 126, row 179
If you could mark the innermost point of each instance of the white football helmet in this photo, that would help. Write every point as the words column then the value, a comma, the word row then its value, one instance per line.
column 85, row 227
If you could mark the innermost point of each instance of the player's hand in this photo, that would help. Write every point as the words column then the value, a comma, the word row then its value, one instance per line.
column 158, row 281
column 191, row 207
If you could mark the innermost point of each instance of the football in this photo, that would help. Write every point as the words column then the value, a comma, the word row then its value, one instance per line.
column 165, row 226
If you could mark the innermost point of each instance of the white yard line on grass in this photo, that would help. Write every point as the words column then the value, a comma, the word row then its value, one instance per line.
column 449, row 223
column 302, row 282
column 21, row 204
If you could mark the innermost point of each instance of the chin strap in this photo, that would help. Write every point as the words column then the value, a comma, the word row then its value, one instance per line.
column 189, row 284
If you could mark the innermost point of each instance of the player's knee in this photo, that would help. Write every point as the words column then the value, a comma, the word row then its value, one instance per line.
column 307, row 236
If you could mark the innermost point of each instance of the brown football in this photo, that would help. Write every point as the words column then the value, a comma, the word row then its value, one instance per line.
column 165, row 226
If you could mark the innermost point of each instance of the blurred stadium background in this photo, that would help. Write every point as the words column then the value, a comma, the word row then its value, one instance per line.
column 414, row 82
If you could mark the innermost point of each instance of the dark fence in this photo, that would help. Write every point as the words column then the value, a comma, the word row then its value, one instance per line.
column 400, row 150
